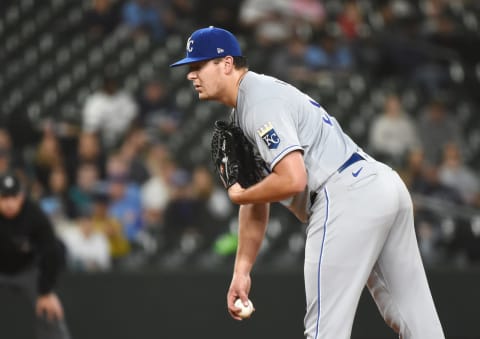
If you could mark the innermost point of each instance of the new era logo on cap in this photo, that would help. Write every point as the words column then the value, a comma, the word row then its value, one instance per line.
column 9, row 185
column 8, row 182
column 209, row 43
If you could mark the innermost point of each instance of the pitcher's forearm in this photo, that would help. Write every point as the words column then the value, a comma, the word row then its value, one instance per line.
column 252, row 220
column 289, row 178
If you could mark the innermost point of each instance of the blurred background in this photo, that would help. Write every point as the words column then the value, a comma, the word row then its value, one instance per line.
column 115, row 147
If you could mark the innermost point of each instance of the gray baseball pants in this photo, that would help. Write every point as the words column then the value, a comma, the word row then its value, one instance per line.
column 362, row 233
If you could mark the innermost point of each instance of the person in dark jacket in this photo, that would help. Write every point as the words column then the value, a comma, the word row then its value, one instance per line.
column 31, row 257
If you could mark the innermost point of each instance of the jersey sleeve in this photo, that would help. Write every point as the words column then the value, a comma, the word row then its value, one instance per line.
column 274, row 130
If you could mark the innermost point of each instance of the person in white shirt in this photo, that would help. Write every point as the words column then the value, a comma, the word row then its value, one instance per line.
column 109, row 112
column 88, row 249
column 393, row 133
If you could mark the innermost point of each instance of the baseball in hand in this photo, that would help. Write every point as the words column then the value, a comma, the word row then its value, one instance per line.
column 246, row 311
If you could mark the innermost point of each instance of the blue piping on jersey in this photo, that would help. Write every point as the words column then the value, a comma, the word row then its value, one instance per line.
column 273, row 163
column 327, row 205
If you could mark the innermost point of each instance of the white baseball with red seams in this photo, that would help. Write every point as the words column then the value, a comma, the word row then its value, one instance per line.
column 246, row 311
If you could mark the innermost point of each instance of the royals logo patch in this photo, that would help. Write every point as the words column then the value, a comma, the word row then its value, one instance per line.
column 269, row 136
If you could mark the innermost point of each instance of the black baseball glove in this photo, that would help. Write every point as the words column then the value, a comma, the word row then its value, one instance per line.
column 234, row 157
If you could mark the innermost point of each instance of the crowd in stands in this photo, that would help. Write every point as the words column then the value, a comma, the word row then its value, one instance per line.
column 120, row 197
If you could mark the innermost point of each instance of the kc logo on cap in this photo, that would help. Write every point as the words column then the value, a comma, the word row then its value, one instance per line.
column 209, row 43
column 190, row 45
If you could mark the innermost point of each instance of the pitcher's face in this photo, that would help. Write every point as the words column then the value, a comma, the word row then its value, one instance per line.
column 207, row 78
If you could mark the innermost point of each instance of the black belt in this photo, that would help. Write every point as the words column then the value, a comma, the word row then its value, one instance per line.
column 350, row 161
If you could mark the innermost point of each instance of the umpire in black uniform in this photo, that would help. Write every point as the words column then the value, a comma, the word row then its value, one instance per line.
column 31, row 257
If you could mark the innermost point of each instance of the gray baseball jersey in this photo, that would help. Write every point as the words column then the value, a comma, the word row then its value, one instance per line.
column 278, row 118
column 360, row 229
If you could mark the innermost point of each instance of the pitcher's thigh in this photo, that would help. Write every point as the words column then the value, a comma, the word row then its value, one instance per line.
column 339, row 255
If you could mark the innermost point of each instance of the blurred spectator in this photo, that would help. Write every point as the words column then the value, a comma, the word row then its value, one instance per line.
column 307, row 15
column 404, row 53
column 144, row 17
column 102, row 17
column 449, row 25
column 218, row 13
column 433, row 188
column 274, row 22
column 456, row 174
column 308, row 62
column 5, row 160
column 117, row 166
column 124, row 196
column 182, row 15
column 90, row 151
column 159, row 159
column 329, row 54
column 289, row 64
column 266, row 21
column 5, row 150
column 109, row 112
column 81, row 193
column 10, row 158
column 156, row 190
column 438, row 18
column 157, row 111
column 110, row 227
column 204, row 188
column 132, row 152
column 351, row 20
column 216, row 205
column 125, row 206
column 55, row 201
column 412, row 169
column 182, row 213
column 393, row 133
column 437, row 128
column 48, row 155
column 422, row 181
column 423, row 178
column 66, row 132
column 87, row 248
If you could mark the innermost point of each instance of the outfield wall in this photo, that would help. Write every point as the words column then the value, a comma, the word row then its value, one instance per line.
column 178, row 305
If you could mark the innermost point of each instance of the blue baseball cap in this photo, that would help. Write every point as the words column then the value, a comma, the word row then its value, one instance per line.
column 209, row 43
